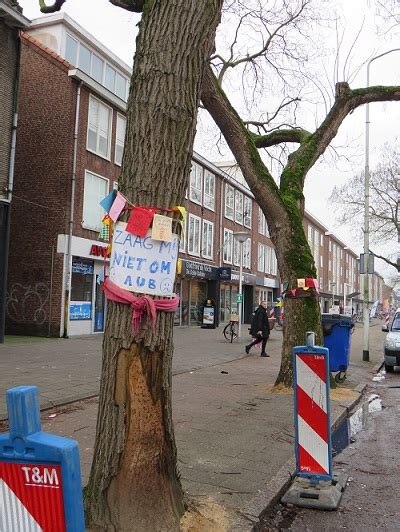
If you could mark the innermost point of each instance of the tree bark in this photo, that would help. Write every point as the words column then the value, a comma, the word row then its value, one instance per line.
column 134, row 483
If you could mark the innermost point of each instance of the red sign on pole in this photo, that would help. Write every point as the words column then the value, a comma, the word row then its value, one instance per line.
column 31, row 498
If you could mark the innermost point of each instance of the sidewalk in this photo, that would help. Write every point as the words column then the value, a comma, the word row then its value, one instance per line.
column 234, row 433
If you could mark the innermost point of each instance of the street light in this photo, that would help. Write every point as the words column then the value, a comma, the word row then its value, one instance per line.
column 241, row 237
column 366, row 219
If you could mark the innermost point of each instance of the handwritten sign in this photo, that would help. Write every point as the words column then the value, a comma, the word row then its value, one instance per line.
column 141, row 264
column 162, row 228
column 139, row 221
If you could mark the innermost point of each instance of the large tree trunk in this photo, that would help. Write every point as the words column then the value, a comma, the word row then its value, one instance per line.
column 295, row 261
column 134, row 483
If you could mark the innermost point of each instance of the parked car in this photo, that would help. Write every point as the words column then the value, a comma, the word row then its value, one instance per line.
column 392, row 343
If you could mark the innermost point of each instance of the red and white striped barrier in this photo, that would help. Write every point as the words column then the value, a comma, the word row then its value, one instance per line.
column 313, row 437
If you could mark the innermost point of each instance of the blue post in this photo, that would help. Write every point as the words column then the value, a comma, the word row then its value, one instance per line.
column 40, row 476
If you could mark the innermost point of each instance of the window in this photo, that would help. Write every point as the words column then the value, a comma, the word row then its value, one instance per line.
column 208, row 236
column 81, row 56
column 109, row 78
column 97, row 68
column 310, row 233
column 99, row 128
column 321, row 261
column 228, row 240
column 330, row 245
column 268, row 251
column 115, row 185
column 274, row 263
column 194, row 235
column 247, row 254
column 322, row 240
column 236, row 252
column 120, row 139
column 82, row 285
column 84, row 59
column 238, row 207
column 261, row 257
column 182, row 239
column 247, row 205
column 229, row 201
column 71, row 50
column 209, row 190
column 120, row 86
column 195, row 183
column 261, row 221
column 96, row 188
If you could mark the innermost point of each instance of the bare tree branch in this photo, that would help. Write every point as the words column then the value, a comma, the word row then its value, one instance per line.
column 388, row 261
column 296, row 135
column 130, row 5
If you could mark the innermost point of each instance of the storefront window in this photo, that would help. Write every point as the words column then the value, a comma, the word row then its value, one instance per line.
column 198, row 295
column 81, row 289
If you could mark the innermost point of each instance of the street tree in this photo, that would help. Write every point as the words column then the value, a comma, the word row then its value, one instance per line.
column 280, row 194
column 134, row 483
column 384, row 207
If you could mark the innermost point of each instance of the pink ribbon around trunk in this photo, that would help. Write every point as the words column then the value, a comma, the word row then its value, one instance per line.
column 139, row 304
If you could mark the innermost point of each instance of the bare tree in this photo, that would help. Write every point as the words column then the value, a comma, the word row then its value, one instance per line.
column 384, row 202
column 134, row 483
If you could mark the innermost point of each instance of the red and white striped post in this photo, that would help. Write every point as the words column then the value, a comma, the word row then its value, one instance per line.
column 311, row 407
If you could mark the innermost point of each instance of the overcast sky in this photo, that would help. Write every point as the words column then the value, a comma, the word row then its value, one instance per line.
column 116, row 29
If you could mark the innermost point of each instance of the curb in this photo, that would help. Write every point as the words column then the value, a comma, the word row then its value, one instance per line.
column 274, row 489
column 50, row 405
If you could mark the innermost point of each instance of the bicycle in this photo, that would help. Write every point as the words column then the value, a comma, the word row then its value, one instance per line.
column 231, row 331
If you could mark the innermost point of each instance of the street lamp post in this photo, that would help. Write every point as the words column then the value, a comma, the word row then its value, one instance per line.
column 241, row 237
column 366, row 219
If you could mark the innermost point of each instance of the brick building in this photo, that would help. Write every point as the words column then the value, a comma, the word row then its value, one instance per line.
column 11, row 22
column 72, row 116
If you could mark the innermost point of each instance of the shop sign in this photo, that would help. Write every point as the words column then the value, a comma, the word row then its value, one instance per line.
column 248, row 278
column 80, row 311
column 271, row 283
column 141, row 264
column 99, row 251
column 82, row 267
column 199, row 270
column 224, row 274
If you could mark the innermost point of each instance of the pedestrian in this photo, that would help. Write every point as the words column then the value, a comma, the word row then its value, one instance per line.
column 259, row 329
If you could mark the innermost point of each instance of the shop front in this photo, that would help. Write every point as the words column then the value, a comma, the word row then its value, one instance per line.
column 86, row 306
column 228, row 293
column 267, row 289
column 195, row 284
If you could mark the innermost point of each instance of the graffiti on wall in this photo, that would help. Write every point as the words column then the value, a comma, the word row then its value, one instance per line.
column 28, row 303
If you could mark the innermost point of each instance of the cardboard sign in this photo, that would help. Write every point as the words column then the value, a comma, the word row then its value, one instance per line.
column 162, row 228
column 142, row 264
column 140, row 221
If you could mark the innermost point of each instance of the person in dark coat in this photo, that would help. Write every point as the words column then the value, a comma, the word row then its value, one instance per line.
column 259, row 328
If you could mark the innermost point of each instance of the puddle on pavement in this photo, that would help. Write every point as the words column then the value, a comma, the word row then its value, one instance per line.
column 345, row 432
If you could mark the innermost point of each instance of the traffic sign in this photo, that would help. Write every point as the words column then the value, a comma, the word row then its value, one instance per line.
column 239, row 298
column 40, row 481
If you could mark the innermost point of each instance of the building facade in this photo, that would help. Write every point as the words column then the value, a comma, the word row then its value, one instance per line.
column 11, row 22
column 72, row 103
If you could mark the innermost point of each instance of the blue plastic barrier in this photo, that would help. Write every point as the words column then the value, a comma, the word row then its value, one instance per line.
column 40, row 479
